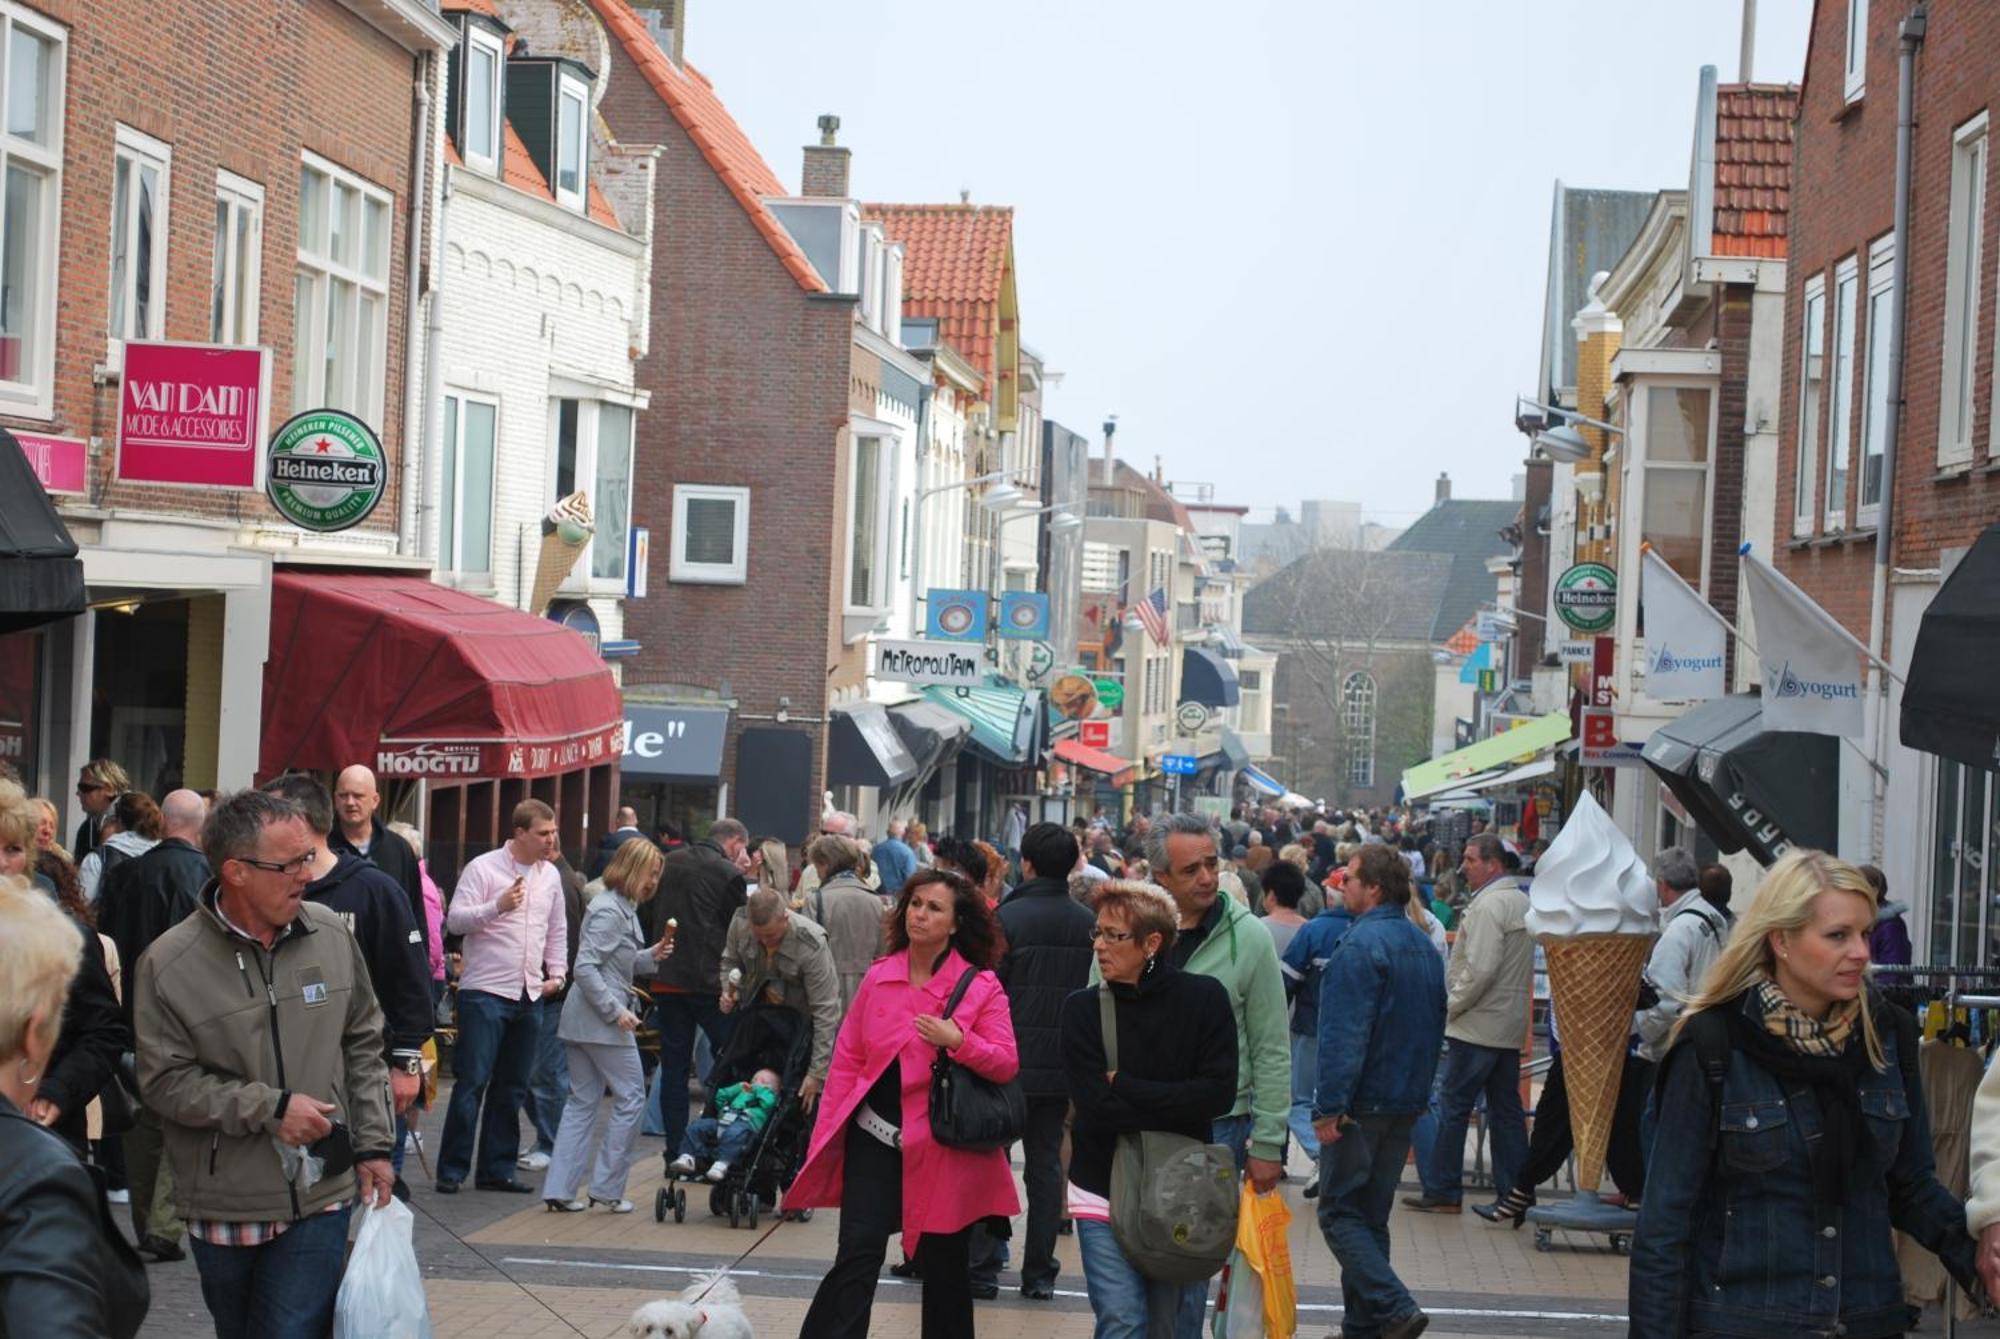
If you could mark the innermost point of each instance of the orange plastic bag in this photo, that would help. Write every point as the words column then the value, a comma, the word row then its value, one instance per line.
column 1259, row 1297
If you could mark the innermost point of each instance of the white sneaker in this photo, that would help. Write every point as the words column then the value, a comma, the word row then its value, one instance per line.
column 718, row 1171
column 616, row 1206
column 683, row 1165
column 535, row 1161
column 118, row 1196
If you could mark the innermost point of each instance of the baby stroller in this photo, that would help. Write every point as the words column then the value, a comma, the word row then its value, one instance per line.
column 780, row 1039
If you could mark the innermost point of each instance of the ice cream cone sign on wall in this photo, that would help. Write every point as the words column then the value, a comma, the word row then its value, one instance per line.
column 566, row 532
column 1594, row 909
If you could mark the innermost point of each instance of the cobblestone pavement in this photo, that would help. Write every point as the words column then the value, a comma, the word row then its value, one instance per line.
column 500, row 1267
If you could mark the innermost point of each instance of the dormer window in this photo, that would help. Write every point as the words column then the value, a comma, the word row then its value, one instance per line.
column 572, row 143
column 484, row 62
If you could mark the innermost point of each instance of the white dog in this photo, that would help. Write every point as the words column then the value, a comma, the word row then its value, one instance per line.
column 718, row 1315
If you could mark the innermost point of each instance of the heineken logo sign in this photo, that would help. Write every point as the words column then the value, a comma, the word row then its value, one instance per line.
column 1586, row 597
column 326, row 470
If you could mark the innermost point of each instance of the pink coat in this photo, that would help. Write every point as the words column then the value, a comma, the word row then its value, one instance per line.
column 944, row 1189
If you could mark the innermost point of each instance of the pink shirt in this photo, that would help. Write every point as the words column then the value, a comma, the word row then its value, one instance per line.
column 509, row 954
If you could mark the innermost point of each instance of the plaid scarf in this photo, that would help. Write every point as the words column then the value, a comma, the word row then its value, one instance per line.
column 1800, row 1030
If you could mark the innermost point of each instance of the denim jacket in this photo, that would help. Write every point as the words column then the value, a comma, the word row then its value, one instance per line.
column 1381, row 1018
column 1732, row 1240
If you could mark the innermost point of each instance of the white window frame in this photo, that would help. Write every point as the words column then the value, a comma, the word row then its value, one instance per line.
column 589, row 401
column 569, row 88
column 733, row 573
column 1855, row 59
column 1964, row 290
column 33, row 395
column 238, row 196
column 363, row 394
column 141, row 150
column 1357, row 726
column 1839, row 401
column 452, row 563
column 480, row 39
column 887, row 441
column 1645, row 466
column 1877, row 403
column 1805, row 465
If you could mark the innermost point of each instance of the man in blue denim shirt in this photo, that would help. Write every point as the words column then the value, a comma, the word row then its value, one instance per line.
column 1381, row 1024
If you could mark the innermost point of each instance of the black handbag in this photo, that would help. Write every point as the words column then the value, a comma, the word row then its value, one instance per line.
column 967, row 1111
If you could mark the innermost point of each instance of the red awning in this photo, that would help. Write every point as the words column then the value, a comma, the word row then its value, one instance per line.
column 1080, row 754
column 418, row 680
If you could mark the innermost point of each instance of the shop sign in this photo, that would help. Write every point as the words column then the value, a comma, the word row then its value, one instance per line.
column 1179, row 764
column 449, row 760
column 1190, row 717
column 1095, row 734
column 672, row 741
column 443, row 760
column 327, row 470
column 924, row 662
column 59, row 463
column 1076, row 696
column 1575, row 651
column 579, row 618
column 955, row 615
column 192, row 415
column 1024, row 614
column 1586, row 597
column 1603, row 653
column 1600, row 745
column 1110, row 693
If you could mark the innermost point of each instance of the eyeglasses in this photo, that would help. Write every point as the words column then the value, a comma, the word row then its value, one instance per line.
column 1099, row 933
column 90, row 787
column 285, row 867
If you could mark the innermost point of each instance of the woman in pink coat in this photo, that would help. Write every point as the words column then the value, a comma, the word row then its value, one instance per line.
column 872, row 1154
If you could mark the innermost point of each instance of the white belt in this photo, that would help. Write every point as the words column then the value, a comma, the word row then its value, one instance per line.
column 865, row 1116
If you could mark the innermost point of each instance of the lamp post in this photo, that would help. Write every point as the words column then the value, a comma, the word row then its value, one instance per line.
column 998, row 498
column 1563, row 442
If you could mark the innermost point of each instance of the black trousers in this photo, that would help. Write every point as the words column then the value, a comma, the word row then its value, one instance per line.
column 871, row 1209
column 1041, row 1169
column 1551, row 1140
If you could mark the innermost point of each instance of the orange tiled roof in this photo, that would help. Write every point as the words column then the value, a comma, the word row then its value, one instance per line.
column 727, row 150
column 955, row 260
column 517, row 169
column 1463, row 642
column 1753, row 168
column 474, row 6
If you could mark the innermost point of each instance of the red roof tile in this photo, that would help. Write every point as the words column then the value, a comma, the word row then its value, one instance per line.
column 473, row 6
column 517, row 165
column 1463, row 642
column 1753, row 168
column 727, row 150
column 955, row 262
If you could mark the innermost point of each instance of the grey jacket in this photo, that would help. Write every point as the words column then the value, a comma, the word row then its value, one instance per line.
column 800, row 975
column 1492, row 969
column 851, row 914
column 610, row 951
column 1688, row 945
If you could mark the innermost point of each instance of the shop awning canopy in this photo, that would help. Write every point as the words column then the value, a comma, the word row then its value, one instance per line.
column 41, row 578
column 1749, row 788
column 1078, row 754
column 930, row 733
column 1002, row 718
column 418, row 680
column 1263, row 782
column 1235, row 750
column 1509, row 777
column 1208, row 678
column 863, row 748
column 1949, row 705
column 1449, row 771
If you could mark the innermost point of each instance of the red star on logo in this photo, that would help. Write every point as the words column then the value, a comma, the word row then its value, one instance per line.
column 323, row 446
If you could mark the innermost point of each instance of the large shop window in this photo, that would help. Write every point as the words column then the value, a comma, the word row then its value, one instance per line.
column 1678, row 427
column 237, row 279
column 593, row 451
column 340, row 317
column 138, row 236
column 1964, row 844
column 31, row 166
column 465, row 534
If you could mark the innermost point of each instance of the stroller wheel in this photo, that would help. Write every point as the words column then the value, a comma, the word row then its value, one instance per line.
column 660, row 1203
column 751, row 1212
column 680, row 1206
column 735, row 1211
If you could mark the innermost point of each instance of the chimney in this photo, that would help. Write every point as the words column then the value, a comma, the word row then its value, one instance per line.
column 1443, row 487
column 825, row 172
column 666, row 20
column 1110, row 431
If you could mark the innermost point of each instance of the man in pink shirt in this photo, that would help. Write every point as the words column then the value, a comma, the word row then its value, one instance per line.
column 509, row 908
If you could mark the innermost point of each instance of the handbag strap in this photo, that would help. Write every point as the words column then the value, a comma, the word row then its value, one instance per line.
column 1107, row 1013
column 958, row 991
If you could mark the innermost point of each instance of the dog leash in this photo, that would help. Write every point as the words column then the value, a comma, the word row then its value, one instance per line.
column 723, row 1273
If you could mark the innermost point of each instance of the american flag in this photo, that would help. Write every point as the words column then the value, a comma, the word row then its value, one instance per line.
column 1152, row 612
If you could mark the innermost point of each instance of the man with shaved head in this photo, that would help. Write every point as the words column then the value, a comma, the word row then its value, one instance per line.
column 358, row 832
column 140, row 900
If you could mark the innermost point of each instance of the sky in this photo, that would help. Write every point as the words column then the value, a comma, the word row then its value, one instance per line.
column 1298, row 247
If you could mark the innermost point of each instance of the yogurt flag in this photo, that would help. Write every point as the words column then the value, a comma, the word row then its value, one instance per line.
column 1812, row 665
column 1684, row 637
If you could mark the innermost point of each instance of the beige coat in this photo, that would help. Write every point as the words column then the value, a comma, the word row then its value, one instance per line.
column 1492, row 969
column 852, row 917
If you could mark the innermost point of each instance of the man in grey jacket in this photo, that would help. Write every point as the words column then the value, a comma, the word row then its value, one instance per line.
column 1692, row 933
column 771, row 956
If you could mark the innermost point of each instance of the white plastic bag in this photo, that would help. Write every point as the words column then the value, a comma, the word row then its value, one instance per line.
column 382, row 1293
column 1239, row 1306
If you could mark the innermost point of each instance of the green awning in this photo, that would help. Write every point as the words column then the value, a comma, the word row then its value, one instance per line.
column 1002, row 719
column 1522, row 742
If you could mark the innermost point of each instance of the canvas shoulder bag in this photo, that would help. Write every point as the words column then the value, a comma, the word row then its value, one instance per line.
column 1174, row 1199
column 967, row 1111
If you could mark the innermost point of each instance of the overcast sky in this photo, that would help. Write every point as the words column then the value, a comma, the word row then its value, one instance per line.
column 1297, row 246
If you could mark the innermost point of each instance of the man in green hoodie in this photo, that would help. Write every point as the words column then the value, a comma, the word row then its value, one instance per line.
column 1220, row 938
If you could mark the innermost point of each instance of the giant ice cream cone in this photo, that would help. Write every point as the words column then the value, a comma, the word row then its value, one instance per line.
column 566, row 532
column 1594, row 910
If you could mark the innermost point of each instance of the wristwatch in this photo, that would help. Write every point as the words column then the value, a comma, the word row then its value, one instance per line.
column 408, row 1064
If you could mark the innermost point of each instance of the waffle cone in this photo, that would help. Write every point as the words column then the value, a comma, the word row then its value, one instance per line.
column 552, row 569
column 1594, row 980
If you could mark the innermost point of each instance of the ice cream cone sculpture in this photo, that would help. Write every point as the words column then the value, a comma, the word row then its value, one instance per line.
column 566, row 532
column 1595, row 911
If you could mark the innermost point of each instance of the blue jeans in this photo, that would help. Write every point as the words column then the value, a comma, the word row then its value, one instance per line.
column 1305, row 1080
column 1424, row 1136
column 283, row 1289
column 710, row 1138
column 497, row 1042
column 1469, row 1071
column 678, row 1017
column 1358, row 1176
column 1122, row 1298
column 1235, row 1132
column 548, row 1081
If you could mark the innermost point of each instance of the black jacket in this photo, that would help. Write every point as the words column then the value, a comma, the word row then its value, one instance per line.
column 396, row 858
column 574, row 905
column 1176, row 1065
column 372, row 906
column 94, row 1037
column 1048, row 959
column 65, row 1270
column 142, row 899
column 87, row 836
column 701, row 888
column 607, row 847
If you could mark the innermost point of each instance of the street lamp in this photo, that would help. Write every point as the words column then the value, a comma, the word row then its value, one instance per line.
column 1005, row 490
column 1563, row 442
column 1062, row 517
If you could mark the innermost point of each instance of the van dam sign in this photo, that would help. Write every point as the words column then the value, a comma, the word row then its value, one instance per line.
column 326, row 470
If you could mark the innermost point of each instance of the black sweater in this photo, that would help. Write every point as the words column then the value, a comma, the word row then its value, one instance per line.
column 376, row 912
column 1176, row 1065
column 396, row 858
column 1047, row 960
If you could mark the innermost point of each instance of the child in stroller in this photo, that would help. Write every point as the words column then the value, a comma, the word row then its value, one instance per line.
column 768, row 1040
column 742, row 1112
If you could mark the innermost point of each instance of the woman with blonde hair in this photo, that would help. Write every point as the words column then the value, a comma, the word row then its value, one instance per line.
column 64, row 1267
column 598, row 1027
column 1792, row 1134
column 771, row 867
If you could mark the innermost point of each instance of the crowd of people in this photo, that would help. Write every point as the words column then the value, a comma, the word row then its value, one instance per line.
column 220, row 1011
